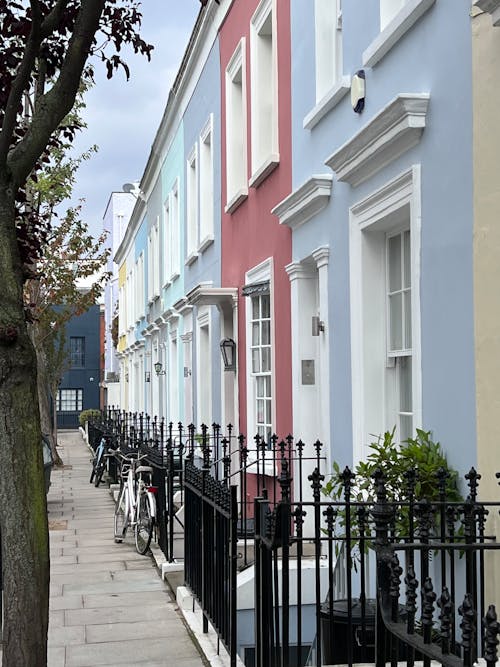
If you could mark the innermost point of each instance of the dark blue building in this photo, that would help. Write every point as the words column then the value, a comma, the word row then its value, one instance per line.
column 79, row 388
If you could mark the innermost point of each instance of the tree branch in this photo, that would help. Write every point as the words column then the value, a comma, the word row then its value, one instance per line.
column 53, row 18
column 54, row 105
column 20, row 83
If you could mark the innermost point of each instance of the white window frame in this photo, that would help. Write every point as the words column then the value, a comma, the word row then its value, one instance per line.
column 75, row 395
column 204, row 366
column 397, row 356
column 331, row 84
column 171, row 235
column 236, row 129
column 206, row 161
column 173, row 376
column 264, row 92
column 396, row 205
column 167, row 254
column 260, row 273
column 390, row 34
column 154, row 261
column 192, row 206
column 328, row 45
column 389, row 9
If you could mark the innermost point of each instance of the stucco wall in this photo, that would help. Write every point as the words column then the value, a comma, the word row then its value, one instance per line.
column 421, row 62
column 486, row 98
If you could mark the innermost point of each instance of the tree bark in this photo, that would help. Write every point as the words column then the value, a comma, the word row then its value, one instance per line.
column 43, row 388
column 23, row 505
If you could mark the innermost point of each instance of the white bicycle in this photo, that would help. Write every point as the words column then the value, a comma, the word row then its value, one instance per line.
column 136, row 504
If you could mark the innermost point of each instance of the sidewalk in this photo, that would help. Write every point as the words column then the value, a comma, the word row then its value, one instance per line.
column 108, row 605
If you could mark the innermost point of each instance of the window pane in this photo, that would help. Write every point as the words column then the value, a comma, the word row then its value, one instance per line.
column 266, row 333
column 407, row 304
column 261, row 386
column 260, row 412
column 394, row 248
column 405, row 427
column 255, row 334
column 266, row 359
column 407, row 259
column 268, row 412
column 395, row 320
column 266, row 306
column 267, row 385
column 255, row 361
column 405, row 384
column 77, row 351
column 255, row 309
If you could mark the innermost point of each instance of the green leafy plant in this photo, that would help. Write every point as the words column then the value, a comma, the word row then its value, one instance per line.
column 420, row 453
column 88, row 415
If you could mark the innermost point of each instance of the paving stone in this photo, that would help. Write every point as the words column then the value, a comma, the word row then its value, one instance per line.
column 117, row 614
column 134, row 630
column 105, row 598
column 149, row 598
column 115, row 652
column 64, row 635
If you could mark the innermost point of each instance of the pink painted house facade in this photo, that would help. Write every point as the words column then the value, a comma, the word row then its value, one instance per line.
column 256, row 175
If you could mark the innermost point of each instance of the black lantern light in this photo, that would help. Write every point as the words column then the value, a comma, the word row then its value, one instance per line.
column 158, row 368
column 228, row 351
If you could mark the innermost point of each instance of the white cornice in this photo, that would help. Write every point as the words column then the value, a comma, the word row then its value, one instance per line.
column 490, row 7
column 321, row 256
column 393, row 131
column 386, row 200
column 305, row 202
column 206, row 295
column 299, row 270
column 134, row 222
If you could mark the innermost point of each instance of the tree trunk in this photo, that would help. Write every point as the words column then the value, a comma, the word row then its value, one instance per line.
column 23, row 505
column 43, row 386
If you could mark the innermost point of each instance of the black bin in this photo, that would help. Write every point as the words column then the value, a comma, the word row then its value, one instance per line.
column 336, row 636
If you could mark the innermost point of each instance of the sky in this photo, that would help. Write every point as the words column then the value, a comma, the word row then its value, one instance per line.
column 123, row 116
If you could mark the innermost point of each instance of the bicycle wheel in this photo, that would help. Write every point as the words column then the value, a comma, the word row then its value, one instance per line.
column 144, row 525
column 98, row 474
column 121, row 516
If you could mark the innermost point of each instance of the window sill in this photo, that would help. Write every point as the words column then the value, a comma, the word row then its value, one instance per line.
column 327, row 103
column 205, row 243
column 172, row 278
column 392, row 33
column 191, row 258
column 235, row 201
column 268, row 166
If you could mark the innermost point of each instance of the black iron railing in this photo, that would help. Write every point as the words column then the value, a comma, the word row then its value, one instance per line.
column 437, row 547
column 210, row 544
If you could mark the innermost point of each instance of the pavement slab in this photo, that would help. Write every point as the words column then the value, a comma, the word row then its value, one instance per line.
column 105, row 598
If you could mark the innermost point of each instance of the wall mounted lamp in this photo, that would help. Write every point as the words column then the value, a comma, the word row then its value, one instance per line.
column 158, row 368
column 228, row 351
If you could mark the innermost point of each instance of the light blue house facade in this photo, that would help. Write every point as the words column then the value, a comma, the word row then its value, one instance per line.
column 202, row 243
column 169, row 259
column 382, row 220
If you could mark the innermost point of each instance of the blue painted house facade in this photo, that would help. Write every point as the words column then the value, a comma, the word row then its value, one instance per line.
column 169, row 259
column 79, row 388
column 381, row 216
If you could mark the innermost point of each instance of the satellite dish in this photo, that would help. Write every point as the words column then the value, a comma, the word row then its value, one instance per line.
column 129, row 187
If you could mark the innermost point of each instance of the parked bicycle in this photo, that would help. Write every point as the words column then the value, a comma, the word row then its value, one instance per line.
column 99, row 462
column 136, row 503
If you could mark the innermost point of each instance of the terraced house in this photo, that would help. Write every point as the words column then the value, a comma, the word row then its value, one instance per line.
column 313, row 247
